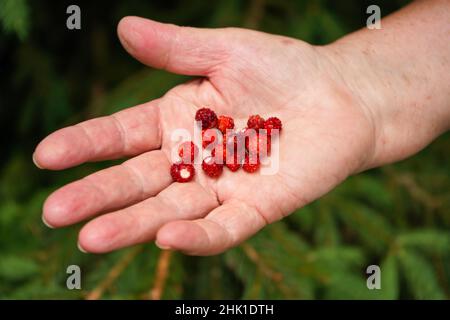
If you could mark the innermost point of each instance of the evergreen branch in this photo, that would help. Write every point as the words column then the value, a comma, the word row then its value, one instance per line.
column 15, row 17
column 420, row 276
column 113, row 274
column 441, row 275
column 274, row 276
column 161, row 275
column 256, row 259
column 415, row 190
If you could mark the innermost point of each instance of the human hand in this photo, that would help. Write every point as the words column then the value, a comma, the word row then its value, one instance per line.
column 328, row 134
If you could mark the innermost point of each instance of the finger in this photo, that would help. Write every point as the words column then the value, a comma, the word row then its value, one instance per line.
column 183, row 50
column 139, row 223
column 130, row 182
column 224, row 228
column 125, row 133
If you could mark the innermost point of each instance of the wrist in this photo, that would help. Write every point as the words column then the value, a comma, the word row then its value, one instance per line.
column 400, row 75
column 406, row 111
column 353, row 72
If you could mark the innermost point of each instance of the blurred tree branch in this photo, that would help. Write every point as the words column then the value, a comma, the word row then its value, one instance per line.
column 113, row 274
column 161, row 275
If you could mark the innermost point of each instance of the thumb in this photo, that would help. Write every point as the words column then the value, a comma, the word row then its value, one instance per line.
column 183, row 50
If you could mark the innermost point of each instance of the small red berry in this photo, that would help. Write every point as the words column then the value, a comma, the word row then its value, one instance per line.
column 235, row 143
column 211, row 168
column 187, row 151
column 240, row 140
column 230, row 140
column 209, row 136
column 224, row 123
column 255, row 122
column 207, row 117
column 256, row 142
column 233, row 166
column 220, row 153
column 251, row 164
column 182, row 172
column 272, row 123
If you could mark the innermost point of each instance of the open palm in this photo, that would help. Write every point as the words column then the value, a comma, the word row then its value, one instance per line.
column 327, row 135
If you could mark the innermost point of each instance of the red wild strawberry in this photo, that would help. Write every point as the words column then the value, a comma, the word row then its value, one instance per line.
column 255, row 122
column 230, row 140
column 234, row 164
column 207, row 117
column 182, row 172
column 256, row 142
column 209, row 136
column 243, row 137
column 235, row 139
column 220, row 153
column 240, row 140
column 232, row 152
column 224, row 123
column 272, row 123
column 251, row 164
column 211, row 168
column 187, row 151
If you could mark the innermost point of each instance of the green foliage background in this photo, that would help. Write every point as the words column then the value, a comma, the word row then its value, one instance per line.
column 397, row 217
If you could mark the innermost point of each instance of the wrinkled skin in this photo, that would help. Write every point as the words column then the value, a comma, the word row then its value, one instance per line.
column 328, row 134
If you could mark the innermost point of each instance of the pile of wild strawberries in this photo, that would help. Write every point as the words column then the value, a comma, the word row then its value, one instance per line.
column 255, row 138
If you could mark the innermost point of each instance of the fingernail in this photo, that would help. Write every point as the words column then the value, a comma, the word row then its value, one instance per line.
column 162, row 247
column 46, row 223
column 81, row 248
column 35, row 162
